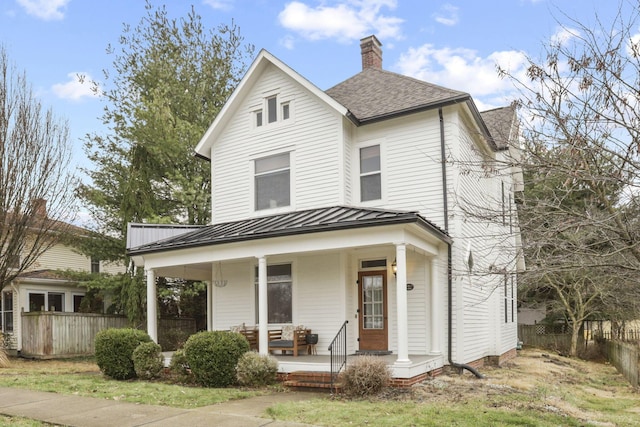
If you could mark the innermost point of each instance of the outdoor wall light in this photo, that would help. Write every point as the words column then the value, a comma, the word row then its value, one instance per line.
column 394, row 268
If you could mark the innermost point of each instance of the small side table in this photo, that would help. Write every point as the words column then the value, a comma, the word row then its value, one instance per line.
column 312, row 340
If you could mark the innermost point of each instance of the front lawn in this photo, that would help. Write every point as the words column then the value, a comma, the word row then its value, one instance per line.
column 533, row 390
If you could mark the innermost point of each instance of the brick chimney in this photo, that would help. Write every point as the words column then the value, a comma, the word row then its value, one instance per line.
column 371, row 50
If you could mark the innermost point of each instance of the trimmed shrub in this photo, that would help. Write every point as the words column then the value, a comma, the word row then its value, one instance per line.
column 179, row 364
column 254, row 369
column 172, row 339
column 367, row 375
column 213, row 355
column 114, row 351
column 148, row 360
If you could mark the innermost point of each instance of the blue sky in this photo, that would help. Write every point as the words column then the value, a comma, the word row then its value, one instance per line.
column 452, row 43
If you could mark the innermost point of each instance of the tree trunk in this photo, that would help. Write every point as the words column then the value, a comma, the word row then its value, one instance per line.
column 575, row 333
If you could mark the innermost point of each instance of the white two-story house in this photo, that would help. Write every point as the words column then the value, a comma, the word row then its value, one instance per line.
column 384, row 202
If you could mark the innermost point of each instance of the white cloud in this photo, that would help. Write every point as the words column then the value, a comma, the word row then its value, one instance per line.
column 288, row 42
column 464, row 70
column 448, row 15
column 564, row 35
column 78, row 87
column 351, row 19
column 47, row 10
column 219, row 4
column 633, row 46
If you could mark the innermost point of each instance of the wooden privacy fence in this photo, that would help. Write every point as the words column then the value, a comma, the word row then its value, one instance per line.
column 49, row 334
column 546, row 336
column 625, row 357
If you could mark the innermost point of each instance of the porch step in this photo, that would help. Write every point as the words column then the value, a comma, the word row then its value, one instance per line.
column 310, row 380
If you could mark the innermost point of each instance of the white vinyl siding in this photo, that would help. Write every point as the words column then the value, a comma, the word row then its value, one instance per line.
column 62, row 257
column 313, row 132
column 412, row 170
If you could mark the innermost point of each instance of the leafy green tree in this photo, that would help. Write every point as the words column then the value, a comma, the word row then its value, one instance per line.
column 169, row 79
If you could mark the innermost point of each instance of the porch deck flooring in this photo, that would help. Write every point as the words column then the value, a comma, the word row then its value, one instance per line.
column 325, row 359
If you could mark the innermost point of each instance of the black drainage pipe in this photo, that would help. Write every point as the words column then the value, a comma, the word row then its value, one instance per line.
column 460, row 366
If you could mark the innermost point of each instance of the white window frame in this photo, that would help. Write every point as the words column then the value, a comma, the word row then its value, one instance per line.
column 4, row 311
column 73, row 300
column 46, row 299
column 252, row 193
column 256, row 302
column 356, row 196
column 262, row 109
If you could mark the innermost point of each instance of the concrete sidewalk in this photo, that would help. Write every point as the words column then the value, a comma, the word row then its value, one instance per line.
column 92, row 412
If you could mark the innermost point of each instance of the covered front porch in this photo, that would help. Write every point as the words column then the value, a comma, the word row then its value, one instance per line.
column 378, row 270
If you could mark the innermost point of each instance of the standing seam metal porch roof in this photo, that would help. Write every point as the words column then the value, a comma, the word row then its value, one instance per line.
column 288, row 224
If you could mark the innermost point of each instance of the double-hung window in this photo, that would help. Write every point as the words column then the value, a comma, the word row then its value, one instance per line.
column 95, row 265
column 272, row 182
column 7, row 312
column 279, row 300
column 370, row 173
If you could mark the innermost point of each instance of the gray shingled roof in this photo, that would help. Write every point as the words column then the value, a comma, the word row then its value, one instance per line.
column 499, row 121
column 375, row 94
column 287, row 224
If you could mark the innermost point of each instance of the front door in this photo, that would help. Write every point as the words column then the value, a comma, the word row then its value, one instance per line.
column 372, row 306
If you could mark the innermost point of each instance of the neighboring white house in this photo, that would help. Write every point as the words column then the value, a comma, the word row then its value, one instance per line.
column 42, row 287
column 384, row 201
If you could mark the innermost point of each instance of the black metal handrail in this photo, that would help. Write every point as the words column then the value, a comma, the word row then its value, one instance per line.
column 338, row 351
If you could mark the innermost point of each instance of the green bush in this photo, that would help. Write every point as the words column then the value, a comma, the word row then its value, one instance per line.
column 114, row 351
column 179, row 364
column 367, row 375
column 172, row 339
column 213, row 356
column 254, row 369
column 148, row 360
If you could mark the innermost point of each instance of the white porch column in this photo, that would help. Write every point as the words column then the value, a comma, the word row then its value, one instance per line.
column 263, row 315
column 210, row 305
column 152, row 306
column 401, row 304
column 436, row 309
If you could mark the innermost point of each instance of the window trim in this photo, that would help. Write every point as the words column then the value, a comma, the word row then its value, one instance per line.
column 46, row 294
column 94, row 264
column 292, row 175
column 356, row 187
column 4, row 312
column 259, row 113
column 254, row 271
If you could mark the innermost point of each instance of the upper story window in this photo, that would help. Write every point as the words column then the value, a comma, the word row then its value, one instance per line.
column 273, row 110
column 272, row 181
column 95, row 265
column 370, row 173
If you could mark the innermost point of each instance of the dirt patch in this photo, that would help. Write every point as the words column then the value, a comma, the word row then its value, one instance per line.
column 534, row 381
column 52, row 366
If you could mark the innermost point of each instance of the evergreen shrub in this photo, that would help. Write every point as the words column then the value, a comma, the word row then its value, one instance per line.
column 114, row 351
column 148, row 360
column 213, row 355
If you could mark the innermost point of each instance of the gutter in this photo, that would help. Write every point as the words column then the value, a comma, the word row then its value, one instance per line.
column 443, row 153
